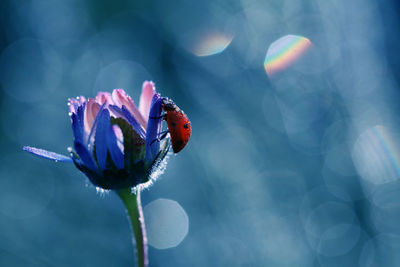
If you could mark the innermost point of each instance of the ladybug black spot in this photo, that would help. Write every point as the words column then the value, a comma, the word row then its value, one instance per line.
column 186, row 126
column 173, row 124
column 179, row 142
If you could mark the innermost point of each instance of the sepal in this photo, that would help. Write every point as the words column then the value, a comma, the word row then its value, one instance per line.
column 47, row 154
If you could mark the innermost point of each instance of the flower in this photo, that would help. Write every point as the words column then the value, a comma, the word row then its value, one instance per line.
column 116, row 143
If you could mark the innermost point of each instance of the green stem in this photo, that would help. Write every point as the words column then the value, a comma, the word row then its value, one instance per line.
column 134, row 209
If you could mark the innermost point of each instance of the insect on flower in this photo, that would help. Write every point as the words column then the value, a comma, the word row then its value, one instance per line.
column 179, row 125
column 116, row 144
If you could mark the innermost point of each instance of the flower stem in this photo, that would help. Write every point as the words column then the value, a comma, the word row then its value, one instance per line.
column 134, row 209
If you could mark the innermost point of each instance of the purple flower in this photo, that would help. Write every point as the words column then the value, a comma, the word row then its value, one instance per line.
column 115, row 142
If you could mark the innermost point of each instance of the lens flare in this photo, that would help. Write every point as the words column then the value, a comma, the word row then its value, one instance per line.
column 376, row 155
column 212, row 44
column 167, row 223
column 284, row 52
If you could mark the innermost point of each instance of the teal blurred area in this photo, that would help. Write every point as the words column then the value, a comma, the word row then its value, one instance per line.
column 299, row 168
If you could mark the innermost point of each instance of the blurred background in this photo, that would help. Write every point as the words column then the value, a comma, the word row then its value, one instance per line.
column 294, row 158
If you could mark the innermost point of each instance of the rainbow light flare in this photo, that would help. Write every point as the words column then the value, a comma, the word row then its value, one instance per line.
column 386, row 149
column 284, row 52
column 212, row 44
column 378, row 155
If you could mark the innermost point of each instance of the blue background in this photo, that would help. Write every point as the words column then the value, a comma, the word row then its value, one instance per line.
column 300, row 169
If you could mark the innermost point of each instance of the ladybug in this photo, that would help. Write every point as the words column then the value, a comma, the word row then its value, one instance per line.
column 178, row 124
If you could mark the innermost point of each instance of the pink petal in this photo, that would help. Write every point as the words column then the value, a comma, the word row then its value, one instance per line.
column 120, row 98
column 74, row 103
column 119, row 136
column 104, row 97
column 91, row 110
column 81, row 99
column 148, row 90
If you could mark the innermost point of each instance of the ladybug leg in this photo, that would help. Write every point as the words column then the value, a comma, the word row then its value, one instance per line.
column 162, row 136
column 163, row 116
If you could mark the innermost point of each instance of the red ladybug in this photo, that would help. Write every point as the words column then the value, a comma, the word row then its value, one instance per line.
column 178, row 124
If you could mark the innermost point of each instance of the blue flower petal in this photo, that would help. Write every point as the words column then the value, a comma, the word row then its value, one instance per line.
column 80, row 113
column 47, row 154
column 103, row 125
column 85, row 156
column 78, row 163
column 94, row 126
column 116, row 154
column 154, row 127
column 77, row 128
column 77, row 123
column 135, row 124
column 124, row 113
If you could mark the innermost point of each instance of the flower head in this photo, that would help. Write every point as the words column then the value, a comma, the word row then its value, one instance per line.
column 116, row 143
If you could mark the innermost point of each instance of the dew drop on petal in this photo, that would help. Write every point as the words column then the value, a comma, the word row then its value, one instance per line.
column 167, row 223
column 101, row 191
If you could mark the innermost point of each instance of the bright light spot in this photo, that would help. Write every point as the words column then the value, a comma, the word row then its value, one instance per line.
column 376, row 155
column 284, row 52
column 167, row 223
column 211, row 44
